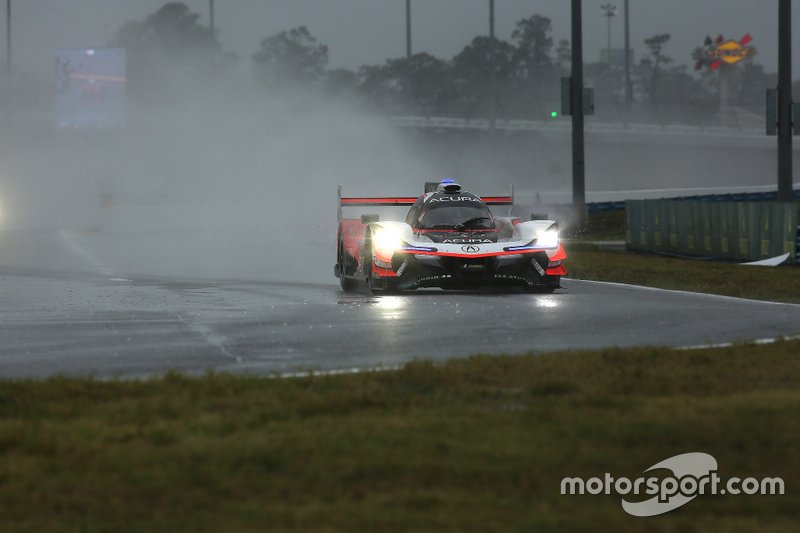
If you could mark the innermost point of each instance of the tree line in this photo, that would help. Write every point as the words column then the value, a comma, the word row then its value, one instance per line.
column 171, row 45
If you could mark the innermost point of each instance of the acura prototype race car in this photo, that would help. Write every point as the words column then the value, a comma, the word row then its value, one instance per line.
column 449, row 239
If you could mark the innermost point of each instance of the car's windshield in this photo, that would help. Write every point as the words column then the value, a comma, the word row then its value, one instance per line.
column 449, row 216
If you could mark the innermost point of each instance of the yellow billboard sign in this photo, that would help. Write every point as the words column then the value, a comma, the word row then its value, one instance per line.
column 730, row 52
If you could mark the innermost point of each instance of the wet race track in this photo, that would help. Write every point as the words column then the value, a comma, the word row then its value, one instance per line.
column 92, row 303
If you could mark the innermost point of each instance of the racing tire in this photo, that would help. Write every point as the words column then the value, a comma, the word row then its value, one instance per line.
column 348, row 284
column 541, row 289
column 548, row 286
column 377, row 286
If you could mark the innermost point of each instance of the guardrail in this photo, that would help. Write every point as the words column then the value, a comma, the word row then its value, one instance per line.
column 565, row 126
column 728, row 197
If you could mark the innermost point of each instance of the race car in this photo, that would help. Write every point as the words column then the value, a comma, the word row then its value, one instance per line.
column 449, row 239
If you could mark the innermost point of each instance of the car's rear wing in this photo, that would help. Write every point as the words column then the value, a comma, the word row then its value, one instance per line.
column 382, row 201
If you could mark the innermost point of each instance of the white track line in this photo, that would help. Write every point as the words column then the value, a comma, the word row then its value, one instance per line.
column 679, row 291
column 218, row 341
column 337, row 371
column 770, row 340
column 90, row 258
column 210, row 337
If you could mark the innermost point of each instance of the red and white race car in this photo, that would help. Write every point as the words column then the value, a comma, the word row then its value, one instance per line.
column 449, row 239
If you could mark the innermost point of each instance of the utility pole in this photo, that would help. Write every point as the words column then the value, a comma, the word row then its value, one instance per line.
column 492, row 67
column 9, row 59
column 628, row 88
column 576, row 105
column 785, row 193
column 408, row 29
column 211, row 24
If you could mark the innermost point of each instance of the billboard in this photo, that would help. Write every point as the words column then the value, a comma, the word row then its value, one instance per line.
column 90, row 88
column 718, row 52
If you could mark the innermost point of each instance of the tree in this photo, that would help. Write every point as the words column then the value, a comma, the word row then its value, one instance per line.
column 168, row 51
column 472, row 68
column 532, row 37
column 535, row 73
column 290, row 58
column 564, row 56
column 380, row 86
column 655, row 45
column 422, row 81
column 341, row 82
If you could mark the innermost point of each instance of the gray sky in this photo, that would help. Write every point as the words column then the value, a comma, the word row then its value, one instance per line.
column 370, row 31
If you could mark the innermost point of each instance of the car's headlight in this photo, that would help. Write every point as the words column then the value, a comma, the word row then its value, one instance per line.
column 386, row 240
column 547, row 238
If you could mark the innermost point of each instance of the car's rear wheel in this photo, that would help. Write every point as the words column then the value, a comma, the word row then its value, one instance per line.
column 345, row 269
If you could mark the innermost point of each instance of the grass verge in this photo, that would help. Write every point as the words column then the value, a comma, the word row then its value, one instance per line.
column 477, row 444
column 779, row 284
column 588, row 261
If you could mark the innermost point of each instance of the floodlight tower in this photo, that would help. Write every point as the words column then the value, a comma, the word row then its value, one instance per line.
column 609, row 11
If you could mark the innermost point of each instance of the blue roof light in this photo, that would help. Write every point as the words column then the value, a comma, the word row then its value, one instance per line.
column 448, row 180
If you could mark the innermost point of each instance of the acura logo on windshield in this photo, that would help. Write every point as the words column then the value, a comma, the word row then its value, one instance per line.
column 470, row 249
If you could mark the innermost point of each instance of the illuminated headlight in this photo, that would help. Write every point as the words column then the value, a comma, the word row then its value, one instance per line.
column 386, row 240
column 547, row 238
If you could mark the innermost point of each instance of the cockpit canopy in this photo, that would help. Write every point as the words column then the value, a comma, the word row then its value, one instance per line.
column 451, row 211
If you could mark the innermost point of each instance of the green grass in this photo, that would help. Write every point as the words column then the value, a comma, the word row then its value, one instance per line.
column 478, row 444
column 780, row 284
column 587, row 261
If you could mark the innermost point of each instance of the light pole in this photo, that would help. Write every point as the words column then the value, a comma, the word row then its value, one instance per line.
column 609, row 11
column 9, row 61
column 492, row 88
column 408, row 29
column 628, row 87
column 211, row 25
column 785, row 180
column 576, row 107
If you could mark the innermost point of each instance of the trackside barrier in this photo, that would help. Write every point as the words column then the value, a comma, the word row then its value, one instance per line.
column 797, row 249
column 594, row 207
column 741, row 231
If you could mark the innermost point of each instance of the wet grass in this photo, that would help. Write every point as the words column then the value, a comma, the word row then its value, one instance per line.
column 477, row 445
column 779, row 284
column 588, row 261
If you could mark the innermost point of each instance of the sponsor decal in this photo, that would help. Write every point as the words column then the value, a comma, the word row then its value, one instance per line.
column 689, row 475
column 456, row 199
column 470, row 249
column 467, row 241
column 715, row 53
column 433, row 278
column 512, row 276
column 730, row 52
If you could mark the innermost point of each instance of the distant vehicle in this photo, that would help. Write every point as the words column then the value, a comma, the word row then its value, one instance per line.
column 450, row 239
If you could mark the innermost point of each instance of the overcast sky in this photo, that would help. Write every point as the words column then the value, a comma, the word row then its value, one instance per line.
column 370, row 31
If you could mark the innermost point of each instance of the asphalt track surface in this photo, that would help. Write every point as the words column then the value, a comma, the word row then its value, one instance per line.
column 83, row 303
